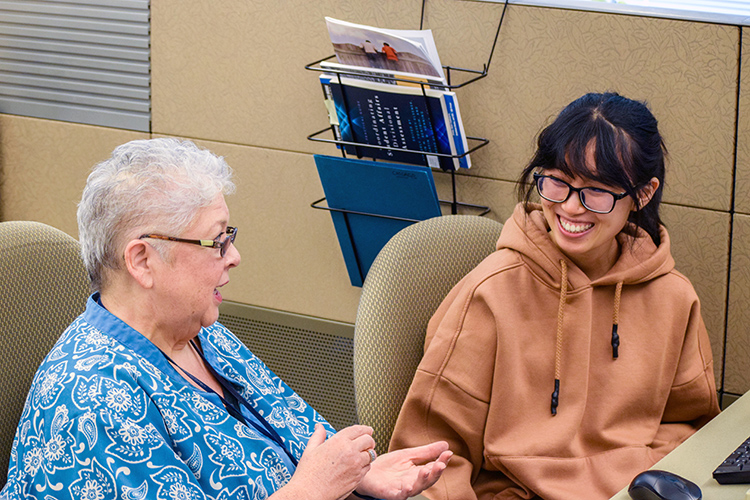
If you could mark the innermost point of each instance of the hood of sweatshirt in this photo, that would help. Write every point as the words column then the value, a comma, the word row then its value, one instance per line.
column 640, row 260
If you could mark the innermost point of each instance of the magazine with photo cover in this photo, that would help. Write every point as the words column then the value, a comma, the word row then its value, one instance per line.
column 395, row 52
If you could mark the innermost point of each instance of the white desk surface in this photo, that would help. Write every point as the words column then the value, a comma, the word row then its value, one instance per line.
column 701, row 453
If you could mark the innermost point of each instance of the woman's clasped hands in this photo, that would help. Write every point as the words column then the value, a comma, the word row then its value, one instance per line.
column 334, row 468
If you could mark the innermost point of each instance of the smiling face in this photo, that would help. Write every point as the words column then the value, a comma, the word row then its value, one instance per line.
column 586, row 238
column 603, row 141
column 193, row 275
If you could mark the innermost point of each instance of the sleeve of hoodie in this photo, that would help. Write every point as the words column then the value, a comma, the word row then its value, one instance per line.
column 449, row 396
column 692, row 401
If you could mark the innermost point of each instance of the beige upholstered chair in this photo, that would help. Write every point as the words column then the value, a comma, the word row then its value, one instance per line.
column 43, row 287
column 411, row 275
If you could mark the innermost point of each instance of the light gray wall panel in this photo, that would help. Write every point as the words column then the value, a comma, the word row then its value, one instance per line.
column 81, row 61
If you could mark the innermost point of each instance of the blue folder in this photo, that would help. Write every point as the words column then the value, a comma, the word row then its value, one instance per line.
column 375, row 188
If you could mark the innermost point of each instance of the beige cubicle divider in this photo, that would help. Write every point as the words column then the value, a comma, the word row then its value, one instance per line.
column 233, row 71
column 738, row 320
column 742, row 188
column 44, row 165
column 706, row 265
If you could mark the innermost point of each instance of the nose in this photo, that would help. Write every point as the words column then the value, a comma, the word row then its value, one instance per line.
column 573, row 204
column 232, row 257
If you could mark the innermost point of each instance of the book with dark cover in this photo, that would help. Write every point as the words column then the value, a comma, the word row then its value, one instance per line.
column 396, row 117
column 379, row 189
column 458, row 141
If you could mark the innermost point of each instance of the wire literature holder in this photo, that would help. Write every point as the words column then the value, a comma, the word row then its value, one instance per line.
column 455, row 78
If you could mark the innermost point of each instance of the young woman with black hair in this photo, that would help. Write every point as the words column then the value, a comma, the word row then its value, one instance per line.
column 575, row 356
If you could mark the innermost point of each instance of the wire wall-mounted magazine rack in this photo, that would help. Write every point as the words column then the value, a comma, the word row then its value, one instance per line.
column 455, row 77
column 425, row 89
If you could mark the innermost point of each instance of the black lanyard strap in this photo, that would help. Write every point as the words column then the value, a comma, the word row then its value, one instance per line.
column 270, row 431
column 260, row 424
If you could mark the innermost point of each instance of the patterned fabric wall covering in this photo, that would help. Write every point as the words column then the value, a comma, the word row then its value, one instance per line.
column 82, row 61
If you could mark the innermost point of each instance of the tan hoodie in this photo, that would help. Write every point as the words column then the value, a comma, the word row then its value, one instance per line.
column 508, row 330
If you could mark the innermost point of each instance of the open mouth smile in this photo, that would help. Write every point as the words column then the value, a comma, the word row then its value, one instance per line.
column 574, row 227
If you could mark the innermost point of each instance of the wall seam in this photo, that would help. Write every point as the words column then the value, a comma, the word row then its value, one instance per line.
column 731, row 216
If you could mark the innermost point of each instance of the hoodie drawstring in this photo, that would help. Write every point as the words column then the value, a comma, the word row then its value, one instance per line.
column 558, row 340
column 615, row 321
column 558, row 346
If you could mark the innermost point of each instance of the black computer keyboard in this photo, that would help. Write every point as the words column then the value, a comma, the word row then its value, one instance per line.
column 736, row 468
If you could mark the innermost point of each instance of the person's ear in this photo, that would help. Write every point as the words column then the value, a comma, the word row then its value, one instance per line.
column 647, row 192
column 139, row 261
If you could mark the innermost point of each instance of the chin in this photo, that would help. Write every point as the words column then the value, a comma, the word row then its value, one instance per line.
column 570, row 246
column 210, row 318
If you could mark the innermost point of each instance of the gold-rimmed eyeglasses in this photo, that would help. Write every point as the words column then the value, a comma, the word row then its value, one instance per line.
column 221, row 244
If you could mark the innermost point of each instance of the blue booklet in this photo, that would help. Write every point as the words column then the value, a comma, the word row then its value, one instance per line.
column 379, row 189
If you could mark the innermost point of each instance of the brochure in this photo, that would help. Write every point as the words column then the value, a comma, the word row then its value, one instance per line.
column 397, row 51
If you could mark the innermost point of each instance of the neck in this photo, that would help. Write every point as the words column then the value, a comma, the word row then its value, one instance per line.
column 143, row 312
column 191, row 366
column 147, row 318
column 596, row 266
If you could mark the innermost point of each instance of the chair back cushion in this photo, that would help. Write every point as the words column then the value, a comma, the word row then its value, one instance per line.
column 411, row 275
column 43, row 287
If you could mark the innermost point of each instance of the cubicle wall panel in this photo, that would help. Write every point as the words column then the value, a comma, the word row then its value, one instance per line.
column 44, row 165
column 742, row 188
column 706, row 265
column 464, row 33
column 291, row 259
column 547, row 57
column 737, row 379
column 233, row 71
column 498, row 196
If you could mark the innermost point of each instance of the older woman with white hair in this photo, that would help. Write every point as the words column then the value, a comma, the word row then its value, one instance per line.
column 147, row 396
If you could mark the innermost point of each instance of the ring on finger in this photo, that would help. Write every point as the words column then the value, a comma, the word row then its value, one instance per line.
column 373, row 455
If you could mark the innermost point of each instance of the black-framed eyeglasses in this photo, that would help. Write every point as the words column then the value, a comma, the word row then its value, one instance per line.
column 221, row 244
column 597, row 200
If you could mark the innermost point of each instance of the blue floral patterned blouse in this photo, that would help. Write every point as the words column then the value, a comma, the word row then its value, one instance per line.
column 109, row 417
